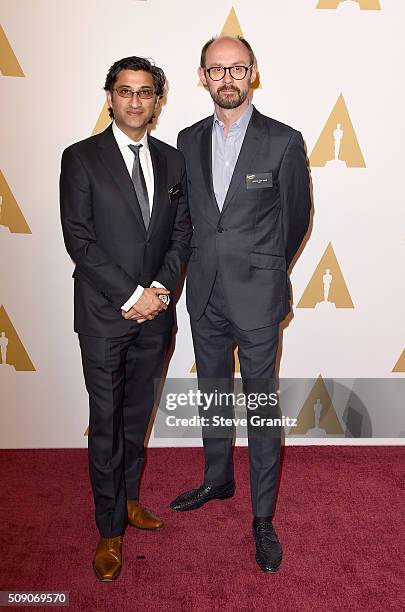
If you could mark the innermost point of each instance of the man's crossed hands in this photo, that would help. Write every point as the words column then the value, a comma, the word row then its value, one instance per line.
column 148, row 306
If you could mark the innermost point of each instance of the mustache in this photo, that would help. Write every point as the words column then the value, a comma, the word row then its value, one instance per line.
column 228, row 88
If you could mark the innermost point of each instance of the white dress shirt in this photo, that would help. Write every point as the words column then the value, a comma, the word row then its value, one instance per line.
column 123, row 142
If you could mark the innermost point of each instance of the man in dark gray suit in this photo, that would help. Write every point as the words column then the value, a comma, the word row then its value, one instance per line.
column 249, row 198
column 126, row 226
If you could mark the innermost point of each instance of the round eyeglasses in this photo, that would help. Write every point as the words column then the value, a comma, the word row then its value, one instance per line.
column 216, row 73
column 127, row 92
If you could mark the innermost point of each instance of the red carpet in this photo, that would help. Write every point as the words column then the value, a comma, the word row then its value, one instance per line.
column 340, row 517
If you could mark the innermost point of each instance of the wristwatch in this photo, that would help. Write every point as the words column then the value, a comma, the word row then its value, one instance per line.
column 164, row 297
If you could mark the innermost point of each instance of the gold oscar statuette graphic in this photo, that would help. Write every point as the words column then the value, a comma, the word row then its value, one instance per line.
column 232, row 28
column 317, row 416
column 10, row 213
column 365, row 5
column 86, row 433
column 235, row 359
column 12, row 351
column 400, row 364
column 327, row 288
column 9, row 65
column 338, row 144
column 103, row 121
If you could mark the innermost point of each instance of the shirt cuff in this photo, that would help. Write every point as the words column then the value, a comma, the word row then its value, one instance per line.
column 133, row 299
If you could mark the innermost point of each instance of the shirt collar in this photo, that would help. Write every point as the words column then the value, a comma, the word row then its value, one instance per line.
column 123, row 140
column 241, row 123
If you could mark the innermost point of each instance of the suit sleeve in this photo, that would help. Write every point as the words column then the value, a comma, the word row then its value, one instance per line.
column 79, row 232
column 179, row 250
column 295, row 195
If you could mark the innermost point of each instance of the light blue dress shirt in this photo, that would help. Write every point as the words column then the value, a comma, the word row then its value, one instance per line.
column 225, row 152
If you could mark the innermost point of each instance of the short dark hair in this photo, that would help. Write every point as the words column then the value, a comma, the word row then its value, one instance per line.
column 211, row 40
column 135, row 63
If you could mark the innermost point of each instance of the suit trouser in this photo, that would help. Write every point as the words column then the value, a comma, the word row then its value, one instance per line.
column 213, row 336
column 120, row 376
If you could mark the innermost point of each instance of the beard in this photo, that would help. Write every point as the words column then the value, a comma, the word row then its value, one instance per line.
column 225, row 101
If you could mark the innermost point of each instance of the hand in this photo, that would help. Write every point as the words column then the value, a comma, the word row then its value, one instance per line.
column 133, row 315
column 148, row 306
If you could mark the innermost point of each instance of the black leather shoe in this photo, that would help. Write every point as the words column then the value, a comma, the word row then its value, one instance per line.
column 268, row 548
column 191, row 500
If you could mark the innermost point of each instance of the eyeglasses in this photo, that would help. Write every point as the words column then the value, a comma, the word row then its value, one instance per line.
column 216, row 73
column 127, row 92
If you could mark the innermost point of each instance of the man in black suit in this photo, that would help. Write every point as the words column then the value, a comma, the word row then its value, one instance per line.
column 249, row 198
column 126, row 226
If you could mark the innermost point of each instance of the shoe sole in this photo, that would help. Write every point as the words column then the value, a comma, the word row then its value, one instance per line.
column 105, row 579
column 146, row 528
column 266, row 569
column 200, row 505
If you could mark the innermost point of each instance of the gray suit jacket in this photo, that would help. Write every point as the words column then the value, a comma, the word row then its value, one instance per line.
column 253, row 240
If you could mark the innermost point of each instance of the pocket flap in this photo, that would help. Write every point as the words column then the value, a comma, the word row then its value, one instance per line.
column 265, row 260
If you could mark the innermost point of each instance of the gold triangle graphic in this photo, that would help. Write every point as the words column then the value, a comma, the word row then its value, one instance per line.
column 338, row 141
column 103, row 121
column 236, row 363
column 318, row 401
column 86, row 433
column 400, row 364
column 327, row 285
column 12, row 351
column 9, row 65
column 10, row 213
column 232, row 28
column 368, row 5
column 232, row 25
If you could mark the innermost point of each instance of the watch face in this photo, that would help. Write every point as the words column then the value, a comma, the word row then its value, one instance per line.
column 164, row 298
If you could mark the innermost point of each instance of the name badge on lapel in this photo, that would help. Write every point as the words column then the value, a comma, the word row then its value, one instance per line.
column 259, row 181
column 176, row 191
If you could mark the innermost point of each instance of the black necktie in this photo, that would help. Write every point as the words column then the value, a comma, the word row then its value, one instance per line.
column 138, row 180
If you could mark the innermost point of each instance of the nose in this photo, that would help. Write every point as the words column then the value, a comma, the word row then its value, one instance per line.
column 137, row 101
column 227, row 77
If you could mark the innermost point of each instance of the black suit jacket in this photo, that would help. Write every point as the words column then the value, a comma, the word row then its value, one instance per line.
column 254, row 239
column 106, row 237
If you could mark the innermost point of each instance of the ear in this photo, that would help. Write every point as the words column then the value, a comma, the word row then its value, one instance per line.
column 253, row 74
column 201, row 74
column 109, row 98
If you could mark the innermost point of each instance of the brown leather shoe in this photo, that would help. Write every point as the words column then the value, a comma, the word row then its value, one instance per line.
column 107, row 561
column 141, row 517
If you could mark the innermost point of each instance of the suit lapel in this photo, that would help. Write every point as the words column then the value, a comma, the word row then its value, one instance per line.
column 114, row 163
column 206, row 163
column 160, row 196
column 248, row 151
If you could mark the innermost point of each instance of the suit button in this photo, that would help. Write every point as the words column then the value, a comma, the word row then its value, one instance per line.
column 220, row 230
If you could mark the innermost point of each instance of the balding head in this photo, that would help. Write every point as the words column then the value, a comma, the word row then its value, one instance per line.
column 235, row 45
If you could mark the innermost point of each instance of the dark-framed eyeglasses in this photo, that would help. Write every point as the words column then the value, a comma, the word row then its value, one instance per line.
column 128, row 92
column 216, row 73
